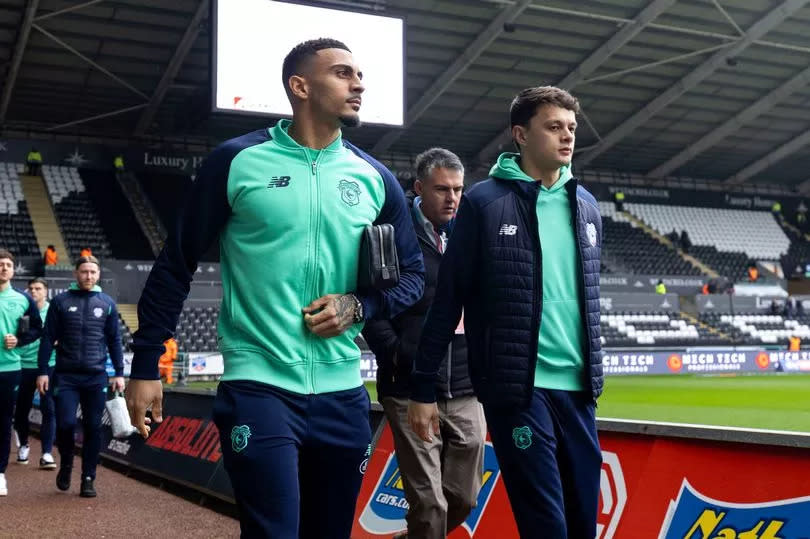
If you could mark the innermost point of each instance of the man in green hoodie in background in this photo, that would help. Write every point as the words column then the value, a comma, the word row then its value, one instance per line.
column 523, row 264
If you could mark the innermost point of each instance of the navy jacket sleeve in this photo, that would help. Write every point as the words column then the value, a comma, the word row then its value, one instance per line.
column 205, row 213
column 112, row 333
column 50, row 333
column 456, row 275
column 389, row 303
column 381, row 337
column 34, row 324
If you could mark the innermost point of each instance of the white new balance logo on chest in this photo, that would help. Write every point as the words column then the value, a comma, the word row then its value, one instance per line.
column 507, row 230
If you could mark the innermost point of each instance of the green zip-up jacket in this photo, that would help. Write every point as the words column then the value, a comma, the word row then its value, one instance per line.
column 289, row 219
column 13, row 306
column 28, row 353
column 561, row 341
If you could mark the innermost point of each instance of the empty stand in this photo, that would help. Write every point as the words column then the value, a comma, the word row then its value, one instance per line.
column 793, row 262
column 197, row 328
column 754, row 233
column 660, row 329
column 79, row 222
column 756, row 329
column 636, row 250
column 16, row 230
column 115, row 214
column 167, row 193
column 732, row 265
column 126, row 335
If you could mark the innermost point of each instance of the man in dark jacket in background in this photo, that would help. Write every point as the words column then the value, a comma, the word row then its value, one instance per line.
column 84, row 322
column 441, row 478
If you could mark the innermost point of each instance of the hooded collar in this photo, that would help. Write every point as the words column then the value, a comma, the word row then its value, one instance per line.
column 507, row 167
column 75, row 288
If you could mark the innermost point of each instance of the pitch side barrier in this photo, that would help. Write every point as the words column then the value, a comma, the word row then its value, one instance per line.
column 658, row 479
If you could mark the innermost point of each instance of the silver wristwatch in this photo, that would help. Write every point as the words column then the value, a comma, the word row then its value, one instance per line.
column 358, row 309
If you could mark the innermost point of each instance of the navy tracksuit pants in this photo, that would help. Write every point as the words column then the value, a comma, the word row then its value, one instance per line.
column 89, row 391
column 25, row 399
column 295, row 461
column 551, row 463
column 9, row 384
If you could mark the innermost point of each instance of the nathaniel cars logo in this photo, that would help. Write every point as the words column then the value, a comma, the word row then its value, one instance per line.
column 385, row 511
column 694, row 515
column 384, row 514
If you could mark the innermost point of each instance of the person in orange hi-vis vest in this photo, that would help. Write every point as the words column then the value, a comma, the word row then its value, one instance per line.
column 167, row 360
column 795, row 344
column 51, row 258
column 85, row 252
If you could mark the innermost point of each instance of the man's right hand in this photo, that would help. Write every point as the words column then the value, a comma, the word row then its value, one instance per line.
column 42, row 384
column 140, row 395
column 423, row 417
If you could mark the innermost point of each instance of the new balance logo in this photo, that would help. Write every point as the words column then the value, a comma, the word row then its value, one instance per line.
column 278, row 181
column 507, row 230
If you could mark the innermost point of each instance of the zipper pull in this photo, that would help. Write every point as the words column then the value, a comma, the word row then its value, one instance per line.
column 313, row 167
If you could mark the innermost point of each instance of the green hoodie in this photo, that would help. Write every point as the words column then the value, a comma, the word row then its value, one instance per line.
column 561, row 341
column 13, row 306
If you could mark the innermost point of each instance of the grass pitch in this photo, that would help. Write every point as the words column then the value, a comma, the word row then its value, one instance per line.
column 776, row 401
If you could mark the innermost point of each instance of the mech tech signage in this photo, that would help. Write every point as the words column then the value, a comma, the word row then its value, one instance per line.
column 697, row 361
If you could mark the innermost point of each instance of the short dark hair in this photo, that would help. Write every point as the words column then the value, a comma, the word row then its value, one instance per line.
column 51, row 247
column 39, row 280
column 301, row 53
column 5, row 253
column 524, row 106
column 436, row 158
column 87, row 259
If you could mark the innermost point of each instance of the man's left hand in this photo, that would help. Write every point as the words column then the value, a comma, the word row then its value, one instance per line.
column 117, row 383
column 336, row 315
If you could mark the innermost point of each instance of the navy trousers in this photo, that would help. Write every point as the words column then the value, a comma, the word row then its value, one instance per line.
column 70, row 391
column 25, row 399
column 551, row 463
column 295, row 461
column 9, row 384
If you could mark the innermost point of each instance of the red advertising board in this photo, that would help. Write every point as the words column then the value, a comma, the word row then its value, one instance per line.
column 651, row 487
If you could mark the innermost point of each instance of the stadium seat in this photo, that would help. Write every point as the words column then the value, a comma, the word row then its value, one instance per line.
column 634, row 251
column 16, row 230
column 77, row 218
column 727, row 240
column 660, row 329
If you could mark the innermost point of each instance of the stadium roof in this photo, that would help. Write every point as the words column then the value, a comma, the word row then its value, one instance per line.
column 703, row 88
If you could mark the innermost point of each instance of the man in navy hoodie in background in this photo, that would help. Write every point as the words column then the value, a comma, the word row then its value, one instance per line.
column 84, row 323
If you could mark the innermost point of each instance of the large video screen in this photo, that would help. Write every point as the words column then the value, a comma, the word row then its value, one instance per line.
column 252, row 37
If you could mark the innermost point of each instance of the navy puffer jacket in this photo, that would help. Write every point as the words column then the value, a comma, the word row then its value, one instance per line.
column 85, row 326
column 493, row 270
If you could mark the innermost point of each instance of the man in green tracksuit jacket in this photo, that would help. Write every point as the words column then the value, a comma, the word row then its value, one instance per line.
column 289, row 205
column 20, row 325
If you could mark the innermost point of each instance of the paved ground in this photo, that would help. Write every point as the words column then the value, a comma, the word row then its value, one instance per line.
column 125, row 507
